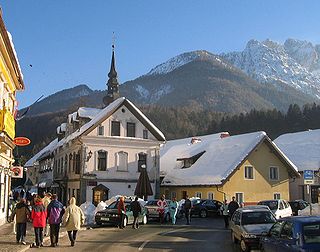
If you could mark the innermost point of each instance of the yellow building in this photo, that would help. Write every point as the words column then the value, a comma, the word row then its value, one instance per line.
column 10, row 82
column 249, row 167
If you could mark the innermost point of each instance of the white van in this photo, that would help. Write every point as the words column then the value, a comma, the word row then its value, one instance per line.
column 280, row 208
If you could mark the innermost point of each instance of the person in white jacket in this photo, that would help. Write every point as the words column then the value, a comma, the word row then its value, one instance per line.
column 225, row 212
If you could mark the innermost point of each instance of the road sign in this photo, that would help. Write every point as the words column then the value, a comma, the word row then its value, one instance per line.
column 308, row 177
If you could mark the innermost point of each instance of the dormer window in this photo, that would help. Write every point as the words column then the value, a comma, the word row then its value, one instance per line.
column 188, row 162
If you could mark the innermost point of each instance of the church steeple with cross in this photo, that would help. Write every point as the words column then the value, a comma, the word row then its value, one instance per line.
column 112, row 84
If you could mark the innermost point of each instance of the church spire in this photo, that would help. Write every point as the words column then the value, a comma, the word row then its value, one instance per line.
column 112, row 84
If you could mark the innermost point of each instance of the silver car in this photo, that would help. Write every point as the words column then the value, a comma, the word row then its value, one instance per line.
column 247, row 225
column 152, row 210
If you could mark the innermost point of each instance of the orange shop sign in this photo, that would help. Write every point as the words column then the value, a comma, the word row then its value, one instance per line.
column 21, row 141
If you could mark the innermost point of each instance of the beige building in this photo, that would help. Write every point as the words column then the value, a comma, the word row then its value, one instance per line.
column 10, row 82
column 249, row 167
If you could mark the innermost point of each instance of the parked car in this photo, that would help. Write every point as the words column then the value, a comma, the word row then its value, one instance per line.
column 280, row 208
column 248, row 223
column 297, row 205
column 152, row 210
column 206, row 207
column 296, row 233
column 110, row 214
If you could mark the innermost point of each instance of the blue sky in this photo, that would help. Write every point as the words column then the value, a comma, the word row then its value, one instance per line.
column 69, row 42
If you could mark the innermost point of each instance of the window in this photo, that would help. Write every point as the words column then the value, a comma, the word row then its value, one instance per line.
column 275, row 229
column 100, row 130
column 274, row 173
column 142, row 161
column 287, row 231
column 115, row 128
column 122, row 161
column 248, row 172
column 102, row 160
column 77, row 170
column 198, row 194
column 73, row 161
column 276, row 196
column 145, row 134
column 239, row 198
column 184, row 194
column 173, row 195
column 210, row 195
column 131, row 129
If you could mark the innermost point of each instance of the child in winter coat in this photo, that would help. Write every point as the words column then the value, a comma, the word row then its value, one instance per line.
column 39, row 217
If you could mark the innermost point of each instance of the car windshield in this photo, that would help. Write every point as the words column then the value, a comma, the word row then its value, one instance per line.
column 151, row 203
column 113, row 205
column 311, row 233
column 262, row 217
column 272, row 204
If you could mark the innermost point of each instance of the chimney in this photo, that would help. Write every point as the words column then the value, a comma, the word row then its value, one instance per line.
column 224, row 134
column 195, row 140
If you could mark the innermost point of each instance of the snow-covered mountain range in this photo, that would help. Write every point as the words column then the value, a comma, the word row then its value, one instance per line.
column 295, row 63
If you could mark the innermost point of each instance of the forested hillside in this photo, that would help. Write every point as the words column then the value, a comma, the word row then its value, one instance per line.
column 181, row 122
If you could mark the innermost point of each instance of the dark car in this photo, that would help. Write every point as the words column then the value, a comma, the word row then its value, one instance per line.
column 110, row 215
column 296, row 233
column 206, row 207
column 248, row 224
column 297, row 205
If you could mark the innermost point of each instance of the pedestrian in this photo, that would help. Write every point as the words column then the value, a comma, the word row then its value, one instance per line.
column 73, row 218
column 38, row 216
column 21, row 193
column 22, row 214
column 46, row 201
column 121, row 212
column 55, row 212
column 225, row 213
column 233, row 206
column 136, row 210
column 173, row 209
column 187, row 209
column 162, row 204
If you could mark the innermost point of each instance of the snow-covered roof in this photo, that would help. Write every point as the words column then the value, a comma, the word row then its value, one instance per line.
column 14, row 52
column 49, row 148
column 88, row 112
column 302, row 148
column 221, row 156
column 72, row 117
column 63, row 127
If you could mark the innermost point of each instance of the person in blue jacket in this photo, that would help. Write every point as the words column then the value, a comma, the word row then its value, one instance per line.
column 173, row 209
column 55, row 212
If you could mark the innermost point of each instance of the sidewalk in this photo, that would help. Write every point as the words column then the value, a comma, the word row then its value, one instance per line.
column 8, row 238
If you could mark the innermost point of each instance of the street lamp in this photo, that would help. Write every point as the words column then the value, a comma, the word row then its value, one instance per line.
column 89, row 156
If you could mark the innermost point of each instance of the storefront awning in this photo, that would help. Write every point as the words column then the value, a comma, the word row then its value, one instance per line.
column 45, row 183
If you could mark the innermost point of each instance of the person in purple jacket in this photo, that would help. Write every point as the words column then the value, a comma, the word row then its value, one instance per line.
column 55, row 212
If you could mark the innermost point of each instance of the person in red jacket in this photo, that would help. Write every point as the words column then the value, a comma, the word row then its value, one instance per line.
column 39, row 217
column 121, row 212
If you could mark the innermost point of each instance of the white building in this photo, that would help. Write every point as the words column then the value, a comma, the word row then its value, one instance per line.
column 100, row 152
column 303, row 149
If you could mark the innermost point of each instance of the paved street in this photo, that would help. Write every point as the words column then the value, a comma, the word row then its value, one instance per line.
column 203, row 235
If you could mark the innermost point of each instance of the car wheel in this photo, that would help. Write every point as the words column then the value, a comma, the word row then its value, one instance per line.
column 203, row 213
column 244, row 247
column 144, row 220
column 233, row 238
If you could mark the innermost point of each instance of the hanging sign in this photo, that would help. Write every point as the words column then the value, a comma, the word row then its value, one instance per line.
column 17, row 172
column 21, row 141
